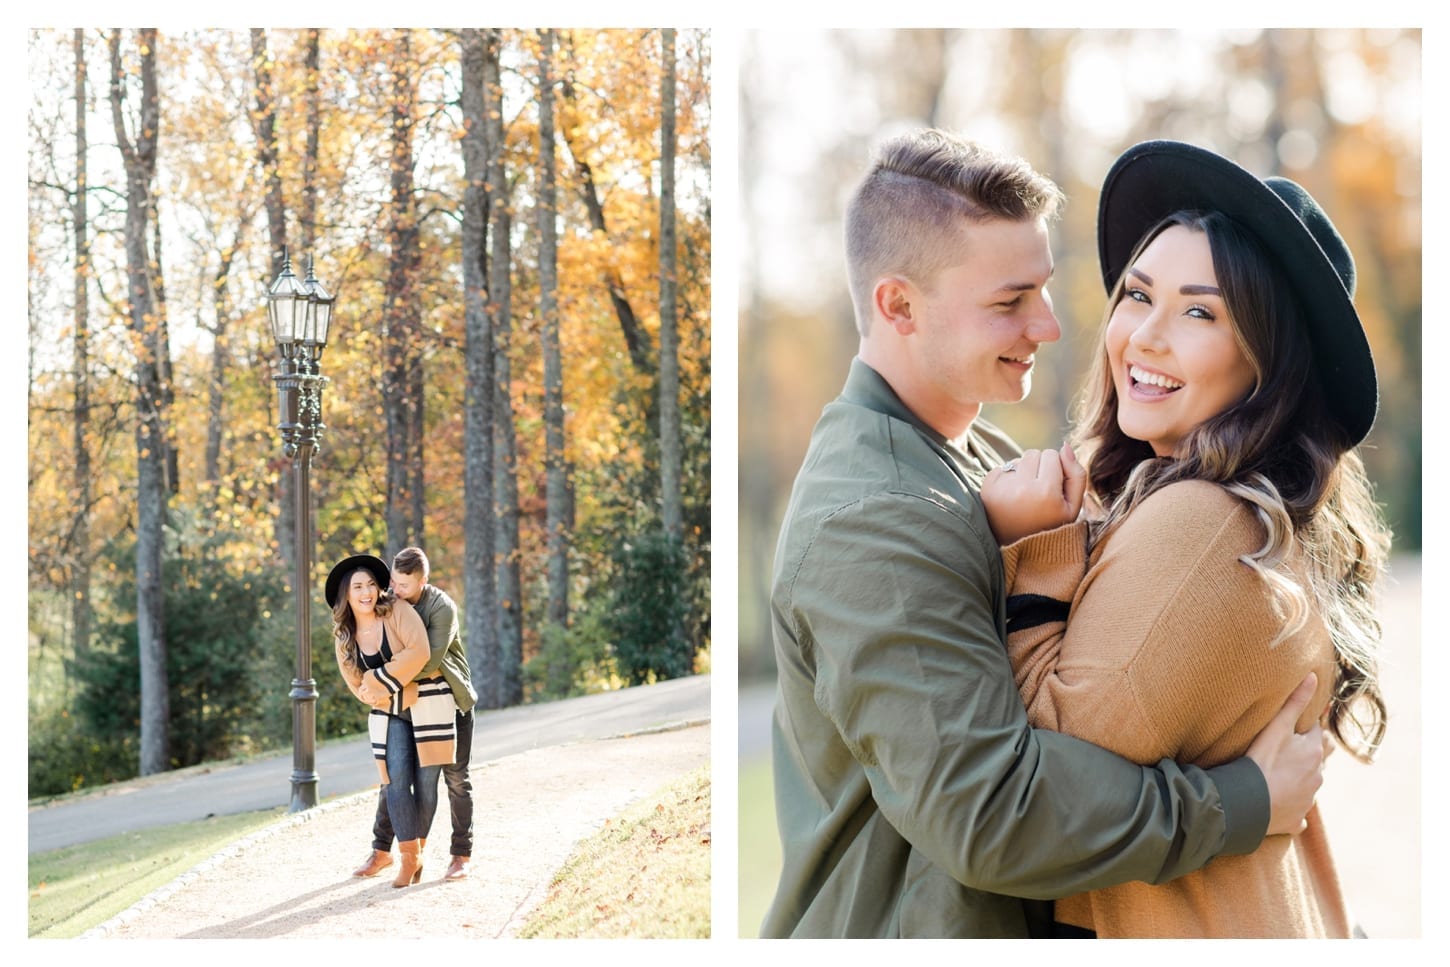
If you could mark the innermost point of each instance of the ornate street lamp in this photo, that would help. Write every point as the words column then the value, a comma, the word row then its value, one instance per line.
column 300, row 313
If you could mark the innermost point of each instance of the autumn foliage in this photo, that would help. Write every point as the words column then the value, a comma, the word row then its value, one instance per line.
column 377, row 196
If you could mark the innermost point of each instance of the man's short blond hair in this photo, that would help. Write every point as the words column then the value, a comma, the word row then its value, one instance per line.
column 906, row 215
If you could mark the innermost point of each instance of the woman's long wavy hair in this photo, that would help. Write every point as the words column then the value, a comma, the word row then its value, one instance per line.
column 1277, row 450
column 344, row 624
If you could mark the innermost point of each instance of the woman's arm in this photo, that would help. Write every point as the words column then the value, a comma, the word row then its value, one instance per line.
column 355, row 680
column 1043, row 573
column 1165, row 651
column 410, row 653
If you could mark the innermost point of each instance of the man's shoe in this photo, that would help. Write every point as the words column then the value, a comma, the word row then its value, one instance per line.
column 457, row 868
column 379, row 860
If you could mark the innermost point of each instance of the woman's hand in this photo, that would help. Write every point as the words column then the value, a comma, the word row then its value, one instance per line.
column 1038, row 491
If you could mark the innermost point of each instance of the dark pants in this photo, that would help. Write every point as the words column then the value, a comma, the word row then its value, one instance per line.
column 460, row 796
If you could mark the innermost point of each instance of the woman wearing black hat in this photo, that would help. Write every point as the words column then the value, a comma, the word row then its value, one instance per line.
column 1231, row 544
column 381, row 645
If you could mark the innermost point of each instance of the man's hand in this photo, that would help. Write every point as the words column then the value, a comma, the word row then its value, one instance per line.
column 1292, row 762
column 1042, row 490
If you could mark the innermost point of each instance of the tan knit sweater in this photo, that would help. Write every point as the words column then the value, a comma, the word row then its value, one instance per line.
column 1166, row 654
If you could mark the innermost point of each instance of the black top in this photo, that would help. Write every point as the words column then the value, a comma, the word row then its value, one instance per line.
column 383, row 655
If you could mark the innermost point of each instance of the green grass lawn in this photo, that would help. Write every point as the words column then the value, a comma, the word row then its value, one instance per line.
column 78, row 887
column 759, row 844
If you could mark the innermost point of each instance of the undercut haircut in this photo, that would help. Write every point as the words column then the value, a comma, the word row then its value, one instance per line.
column 411, row 560
column 906, row 216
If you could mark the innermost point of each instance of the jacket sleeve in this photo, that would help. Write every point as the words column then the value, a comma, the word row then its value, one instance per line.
column 1166, row 651
column 410, row 653
column 442, row 627
column 896, row 601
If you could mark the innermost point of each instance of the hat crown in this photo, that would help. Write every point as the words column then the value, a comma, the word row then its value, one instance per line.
column 1320, row 228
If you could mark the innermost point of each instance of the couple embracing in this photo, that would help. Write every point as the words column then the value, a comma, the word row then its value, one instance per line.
column 1086, row 691
column 398, row 649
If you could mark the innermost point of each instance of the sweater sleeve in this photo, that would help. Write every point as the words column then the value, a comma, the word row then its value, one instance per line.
column 1166, row 649
column 410, row 653
column 1043, row 573
column 351, row 677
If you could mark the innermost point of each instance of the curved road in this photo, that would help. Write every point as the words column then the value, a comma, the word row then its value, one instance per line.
column 347, row 766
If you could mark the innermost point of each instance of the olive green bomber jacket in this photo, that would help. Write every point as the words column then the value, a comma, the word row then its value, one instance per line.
column 912, row 798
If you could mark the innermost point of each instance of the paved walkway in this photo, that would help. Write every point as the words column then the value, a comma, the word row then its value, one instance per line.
column 292, row 879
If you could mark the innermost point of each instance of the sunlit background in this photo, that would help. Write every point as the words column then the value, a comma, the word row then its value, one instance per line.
column 1339, row 111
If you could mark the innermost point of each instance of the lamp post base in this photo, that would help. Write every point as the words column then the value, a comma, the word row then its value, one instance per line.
column 304, row 791
column 304, row 746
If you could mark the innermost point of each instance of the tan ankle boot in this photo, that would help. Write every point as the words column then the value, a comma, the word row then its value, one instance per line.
column 410, row 871
column 378, row 861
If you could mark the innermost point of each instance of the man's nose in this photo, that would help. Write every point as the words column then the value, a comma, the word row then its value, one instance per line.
column 1043, row 326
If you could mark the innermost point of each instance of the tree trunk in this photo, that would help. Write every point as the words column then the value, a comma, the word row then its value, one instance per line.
column 479, row 585
column 556, row 478
column 636, row 340
column 507, row 550
column 402, row 371
column 312, row 62
column 509, row 591
column 221, row 302
column 140, row 162
column 163, row 337
column 669, row 407
column 671, row 446
column 264, row 124
column 81, row 545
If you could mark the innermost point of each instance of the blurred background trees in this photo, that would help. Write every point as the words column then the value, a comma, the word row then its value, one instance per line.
column 167, row 173
column 1336, row 110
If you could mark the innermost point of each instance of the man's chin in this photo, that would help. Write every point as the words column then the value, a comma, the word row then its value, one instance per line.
column 1017, row 394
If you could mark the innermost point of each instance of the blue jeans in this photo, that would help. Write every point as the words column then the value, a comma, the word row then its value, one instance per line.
column 412, row 791
column 460, row 796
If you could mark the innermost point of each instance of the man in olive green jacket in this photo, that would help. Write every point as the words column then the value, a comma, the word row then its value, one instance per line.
column 447, row 657
column 911, row 795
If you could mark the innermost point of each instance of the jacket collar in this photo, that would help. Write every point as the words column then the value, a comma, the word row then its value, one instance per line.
column 868, row 388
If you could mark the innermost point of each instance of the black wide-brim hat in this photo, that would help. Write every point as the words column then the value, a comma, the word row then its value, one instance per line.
column 1155, row 179
column 380, row 571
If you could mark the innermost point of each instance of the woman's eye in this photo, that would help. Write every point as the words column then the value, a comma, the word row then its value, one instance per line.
column 1201, row 312
column 1138, row 295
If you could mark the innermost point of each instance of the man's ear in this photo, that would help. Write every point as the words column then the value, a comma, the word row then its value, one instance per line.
column 892, row 298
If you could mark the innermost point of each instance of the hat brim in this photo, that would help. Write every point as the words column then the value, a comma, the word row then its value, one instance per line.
column 1155, row 179
column 380, row 572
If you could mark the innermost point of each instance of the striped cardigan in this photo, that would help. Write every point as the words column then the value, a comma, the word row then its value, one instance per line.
column 391, row 690
column 434, row 716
